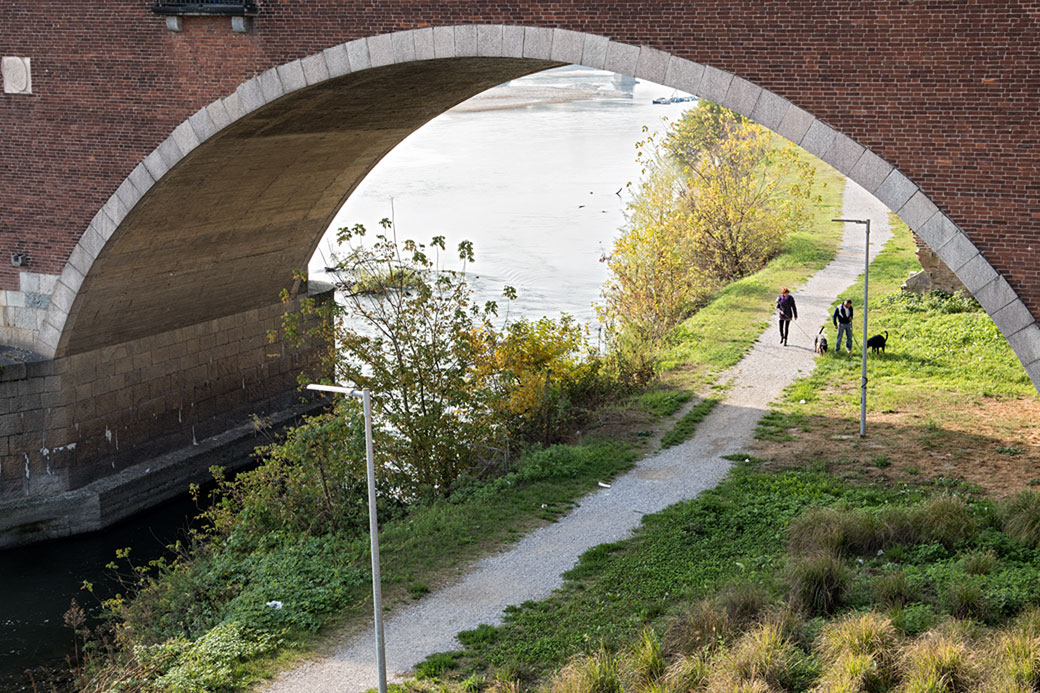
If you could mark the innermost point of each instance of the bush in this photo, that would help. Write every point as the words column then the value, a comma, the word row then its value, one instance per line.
column 1021, row 518
column 819, row 582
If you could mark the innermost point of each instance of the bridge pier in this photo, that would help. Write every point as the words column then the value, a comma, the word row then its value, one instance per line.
column 88, row 439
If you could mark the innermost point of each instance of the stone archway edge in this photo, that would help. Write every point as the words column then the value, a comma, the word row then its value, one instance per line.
column 883, row 180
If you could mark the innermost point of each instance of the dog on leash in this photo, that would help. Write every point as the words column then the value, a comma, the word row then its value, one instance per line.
column 877, row 342
column 820, row 343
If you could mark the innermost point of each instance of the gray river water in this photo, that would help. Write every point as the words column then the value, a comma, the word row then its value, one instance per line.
column 535, row 174
column 539, row 189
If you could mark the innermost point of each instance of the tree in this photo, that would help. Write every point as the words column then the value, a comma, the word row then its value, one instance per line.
column 718, row 198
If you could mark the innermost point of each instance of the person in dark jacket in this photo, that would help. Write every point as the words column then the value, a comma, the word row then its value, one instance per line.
column 842, row 320
column 786, row 310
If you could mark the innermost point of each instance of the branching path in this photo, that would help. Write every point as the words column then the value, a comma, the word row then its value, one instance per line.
column 531, row 569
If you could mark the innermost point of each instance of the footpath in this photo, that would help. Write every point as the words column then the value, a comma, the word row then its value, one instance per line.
column 531, row 568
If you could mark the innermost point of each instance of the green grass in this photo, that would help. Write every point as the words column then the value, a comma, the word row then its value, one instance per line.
column 663, row 402
column 719, row 334
column 736, row 534
column 685, row 427
column 941, row 351
column 322, row 580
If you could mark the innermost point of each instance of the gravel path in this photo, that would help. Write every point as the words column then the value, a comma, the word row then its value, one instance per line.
column 531, row 569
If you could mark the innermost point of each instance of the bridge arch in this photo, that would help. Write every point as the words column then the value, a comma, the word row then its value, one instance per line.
column 452, row 62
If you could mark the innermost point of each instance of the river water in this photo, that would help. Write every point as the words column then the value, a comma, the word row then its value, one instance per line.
column 535, row 174
column 539, row 189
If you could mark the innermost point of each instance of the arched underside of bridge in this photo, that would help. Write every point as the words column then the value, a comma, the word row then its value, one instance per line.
column 223, row 230
column 155, row 330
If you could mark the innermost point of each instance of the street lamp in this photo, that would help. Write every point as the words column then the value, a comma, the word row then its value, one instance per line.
column 866, row 297
column 373, row 527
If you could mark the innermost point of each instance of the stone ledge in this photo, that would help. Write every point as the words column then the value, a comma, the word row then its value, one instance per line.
column 106, row 501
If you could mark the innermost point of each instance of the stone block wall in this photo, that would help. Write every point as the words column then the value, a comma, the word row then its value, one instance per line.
column 934, row 274
column 70, row 422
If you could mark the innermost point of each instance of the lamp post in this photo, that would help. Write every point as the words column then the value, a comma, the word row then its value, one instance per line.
column 373, row 527
column 866, row 297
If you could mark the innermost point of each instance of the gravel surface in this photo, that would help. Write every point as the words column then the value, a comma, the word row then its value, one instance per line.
column 531, row 568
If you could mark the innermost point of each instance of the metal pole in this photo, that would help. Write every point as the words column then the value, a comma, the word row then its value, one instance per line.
column 373, row 529
column 863, row 341
column 373, row 524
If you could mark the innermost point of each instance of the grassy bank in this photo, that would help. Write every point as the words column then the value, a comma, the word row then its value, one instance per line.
column 209, row 624
column 719, row 334
column 922, row 537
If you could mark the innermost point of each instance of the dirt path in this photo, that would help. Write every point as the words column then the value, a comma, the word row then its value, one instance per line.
column 531, row 569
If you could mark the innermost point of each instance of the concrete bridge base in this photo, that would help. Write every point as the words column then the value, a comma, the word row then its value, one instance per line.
column 91, row 438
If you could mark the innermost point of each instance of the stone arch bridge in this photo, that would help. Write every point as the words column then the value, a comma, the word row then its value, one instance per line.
column 165, row 166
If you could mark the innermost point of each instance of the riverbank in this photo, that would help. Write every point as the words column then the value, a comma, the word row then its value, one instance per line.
column 730, row 589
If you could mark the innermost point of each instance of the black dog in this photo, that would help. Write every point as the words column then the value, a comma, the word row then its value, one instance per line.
column 820, row 343
column 877, row 342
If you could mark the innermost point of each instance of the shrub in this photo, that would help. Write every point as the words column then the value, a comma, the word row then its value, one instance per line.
column 818, row 582
column 209, row 663
column 938, row 662
column 1021, row 518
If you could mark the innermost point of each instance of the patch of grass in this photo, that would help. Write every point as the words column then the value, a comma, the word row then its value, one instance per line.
column 685, row 427
column 776, row 426
column 980, row 562
column 819, row 582
column 324, row 579
column 664, row 402
column 893, row 589
column 940, row 661
column 1021, row 516
column 417, row 589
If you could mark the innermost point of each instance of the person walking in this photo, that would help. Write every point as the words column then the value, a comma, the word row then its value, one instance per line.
column 842, row 320
column 786, row 310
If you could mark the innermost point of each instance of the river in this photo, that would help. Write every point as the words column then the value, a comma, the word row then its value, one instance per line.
column 535, row 174
column 539, row 189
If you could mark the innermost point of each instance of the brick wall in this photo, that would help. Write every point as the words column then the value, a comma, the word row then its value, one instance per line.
column 947, row 91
